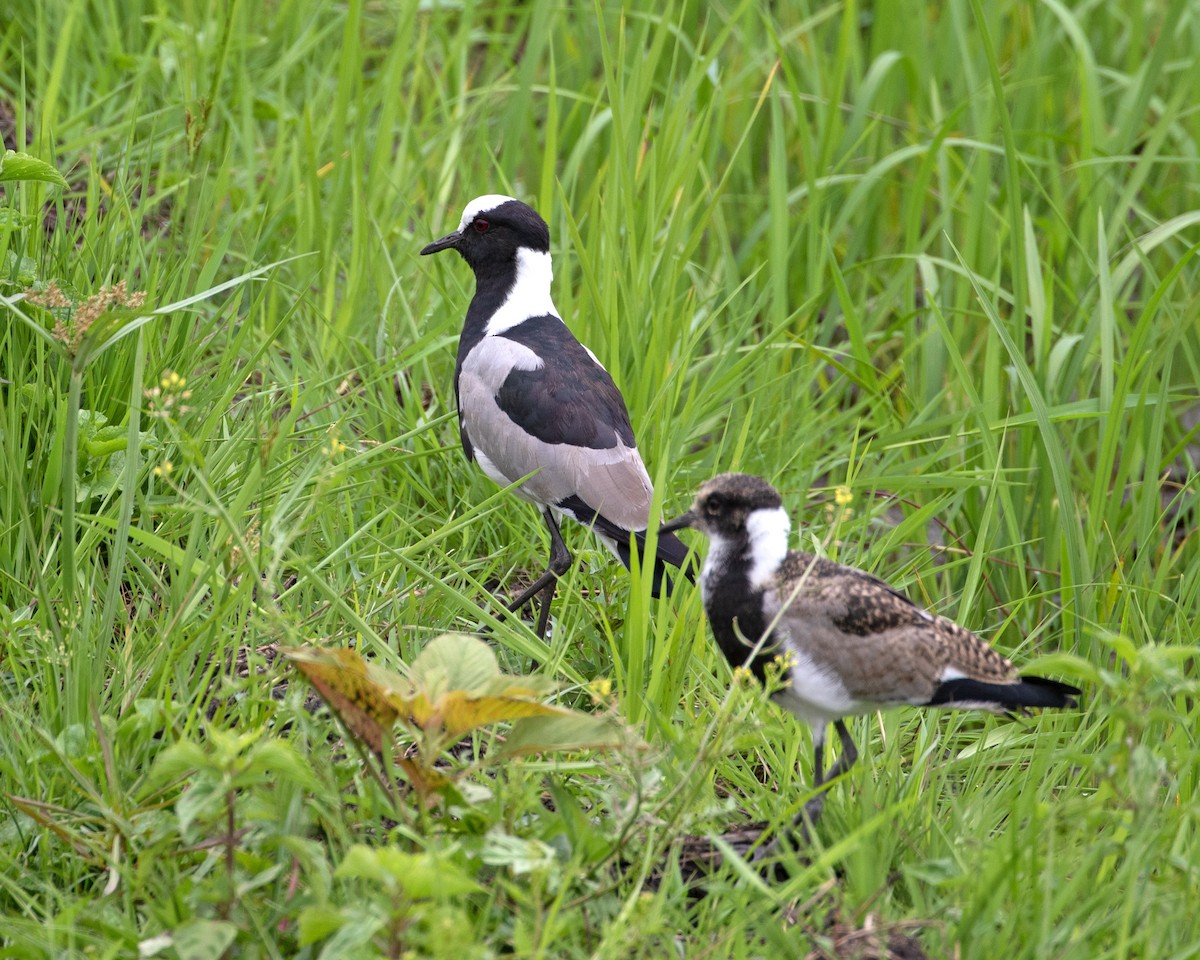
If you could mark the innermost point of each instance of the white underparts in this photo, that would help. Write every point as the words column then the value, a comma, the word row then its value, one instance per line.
column 815, row 695
column 529, row 295
column 768, row 531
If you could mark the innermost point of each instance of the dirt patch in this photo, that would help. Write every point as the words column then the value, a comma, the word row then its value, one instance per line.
column 872, row 939
column 826, row 931
column 8, row 127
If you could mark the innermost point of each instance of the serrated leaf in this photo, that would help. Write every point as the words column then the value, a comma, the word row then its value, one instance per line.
column 1122, row 646
column 23, row 166
column 425, row 875
column 361, row 863
column 419, row 875
column 21, row 271
column 204, row 939
column 11, row 219
column 341, row 677
column 457, row 712
column 177, row 760
column 282, row 761
column 567, row 731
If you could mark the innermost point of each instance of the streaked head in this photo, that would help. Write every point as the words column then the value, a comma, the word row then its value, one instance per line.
column 491, row 231
column 728, row 506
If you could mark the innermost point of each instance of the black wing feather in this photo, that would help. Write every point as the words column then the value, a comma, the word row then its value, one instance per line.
column 571, row 399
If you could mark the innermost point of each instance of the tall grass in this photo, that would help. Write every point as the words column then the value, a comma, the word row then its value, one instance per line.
column 944, row 255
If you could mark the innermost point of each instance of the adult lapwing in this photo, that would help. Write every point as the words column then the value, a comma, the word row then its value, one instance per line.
column 534, row 403
column 847, row 642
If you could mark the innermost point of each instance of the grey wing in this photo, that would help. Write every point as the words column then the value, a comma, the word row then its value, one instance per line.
column 610, row 480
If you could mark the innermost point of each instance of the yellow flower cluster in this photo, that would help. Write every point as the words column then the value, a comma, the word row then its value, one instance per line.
column 333, row 446
column 165, row 398
column 785, row 661
column 600, row 689
column 839, row 511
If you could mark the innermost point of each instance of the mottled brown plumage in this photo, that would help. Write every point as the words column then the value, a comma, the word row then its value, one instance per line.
column 884, row 648
column 852, row 642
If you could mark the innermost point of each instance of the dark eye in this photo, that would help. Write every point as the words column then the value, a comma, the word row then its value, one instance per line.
column 713, row 506
column 480, row 225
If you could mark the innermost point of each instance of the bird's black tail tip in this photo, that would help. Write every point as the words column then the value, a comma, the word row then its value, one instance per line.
column 1053, row 693
column 1027, row 693
column 672, row 551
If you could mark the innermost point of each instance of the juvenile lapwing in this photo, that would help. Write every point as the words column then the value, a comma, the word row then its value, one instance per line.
column 533, row 400
column 847, row 642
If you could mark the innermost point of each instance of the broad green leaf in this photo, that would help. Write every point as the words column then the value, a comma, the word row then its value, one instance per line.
column 1125, row 648
column 153, row 946
column 22, row 166
column 281, row 761
column 198, row 802
column 568, row 731
column 369, row 700
column 518, row 854
column 19, row 270
column 361, row 863
column 177, row 760
column 318, row 922
column 508, row 685
column 454, row 661
column 419, row 875
column 11, row 219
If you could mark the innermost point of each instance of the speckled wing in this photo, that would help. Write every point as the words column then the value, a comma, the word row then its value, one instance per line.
column 884, row 647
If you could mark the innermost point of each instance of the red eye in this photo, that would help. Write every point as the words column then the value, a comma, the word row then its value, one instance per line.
column 480, row 225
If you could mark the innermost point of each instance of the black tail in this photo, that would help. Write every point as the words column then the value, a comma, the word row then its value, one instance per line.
column 1026, row 693
column 671, row 550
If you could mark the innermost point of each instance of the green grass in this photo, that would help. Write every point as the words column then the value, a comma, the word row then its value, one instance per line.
column 942, row 254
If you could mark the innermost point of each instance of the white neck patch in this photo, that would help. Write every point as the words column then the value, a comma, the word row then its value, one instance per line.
column 479, row 205
column 768, row 531
column 715, row 561
column 530, row 293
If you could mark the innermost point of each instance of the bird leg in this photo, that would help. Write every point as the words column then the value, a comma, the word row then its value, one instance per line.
column 558, row 564
column 812, row 810
column 846, row 759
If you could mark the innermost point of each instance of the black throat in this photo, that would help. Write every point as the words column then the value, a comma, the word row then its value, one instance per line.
column 735, row 610
column 493, row 283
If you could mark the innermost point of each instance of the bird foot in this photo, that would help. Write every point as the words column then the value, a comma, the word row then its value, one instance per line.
column 797, row 838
